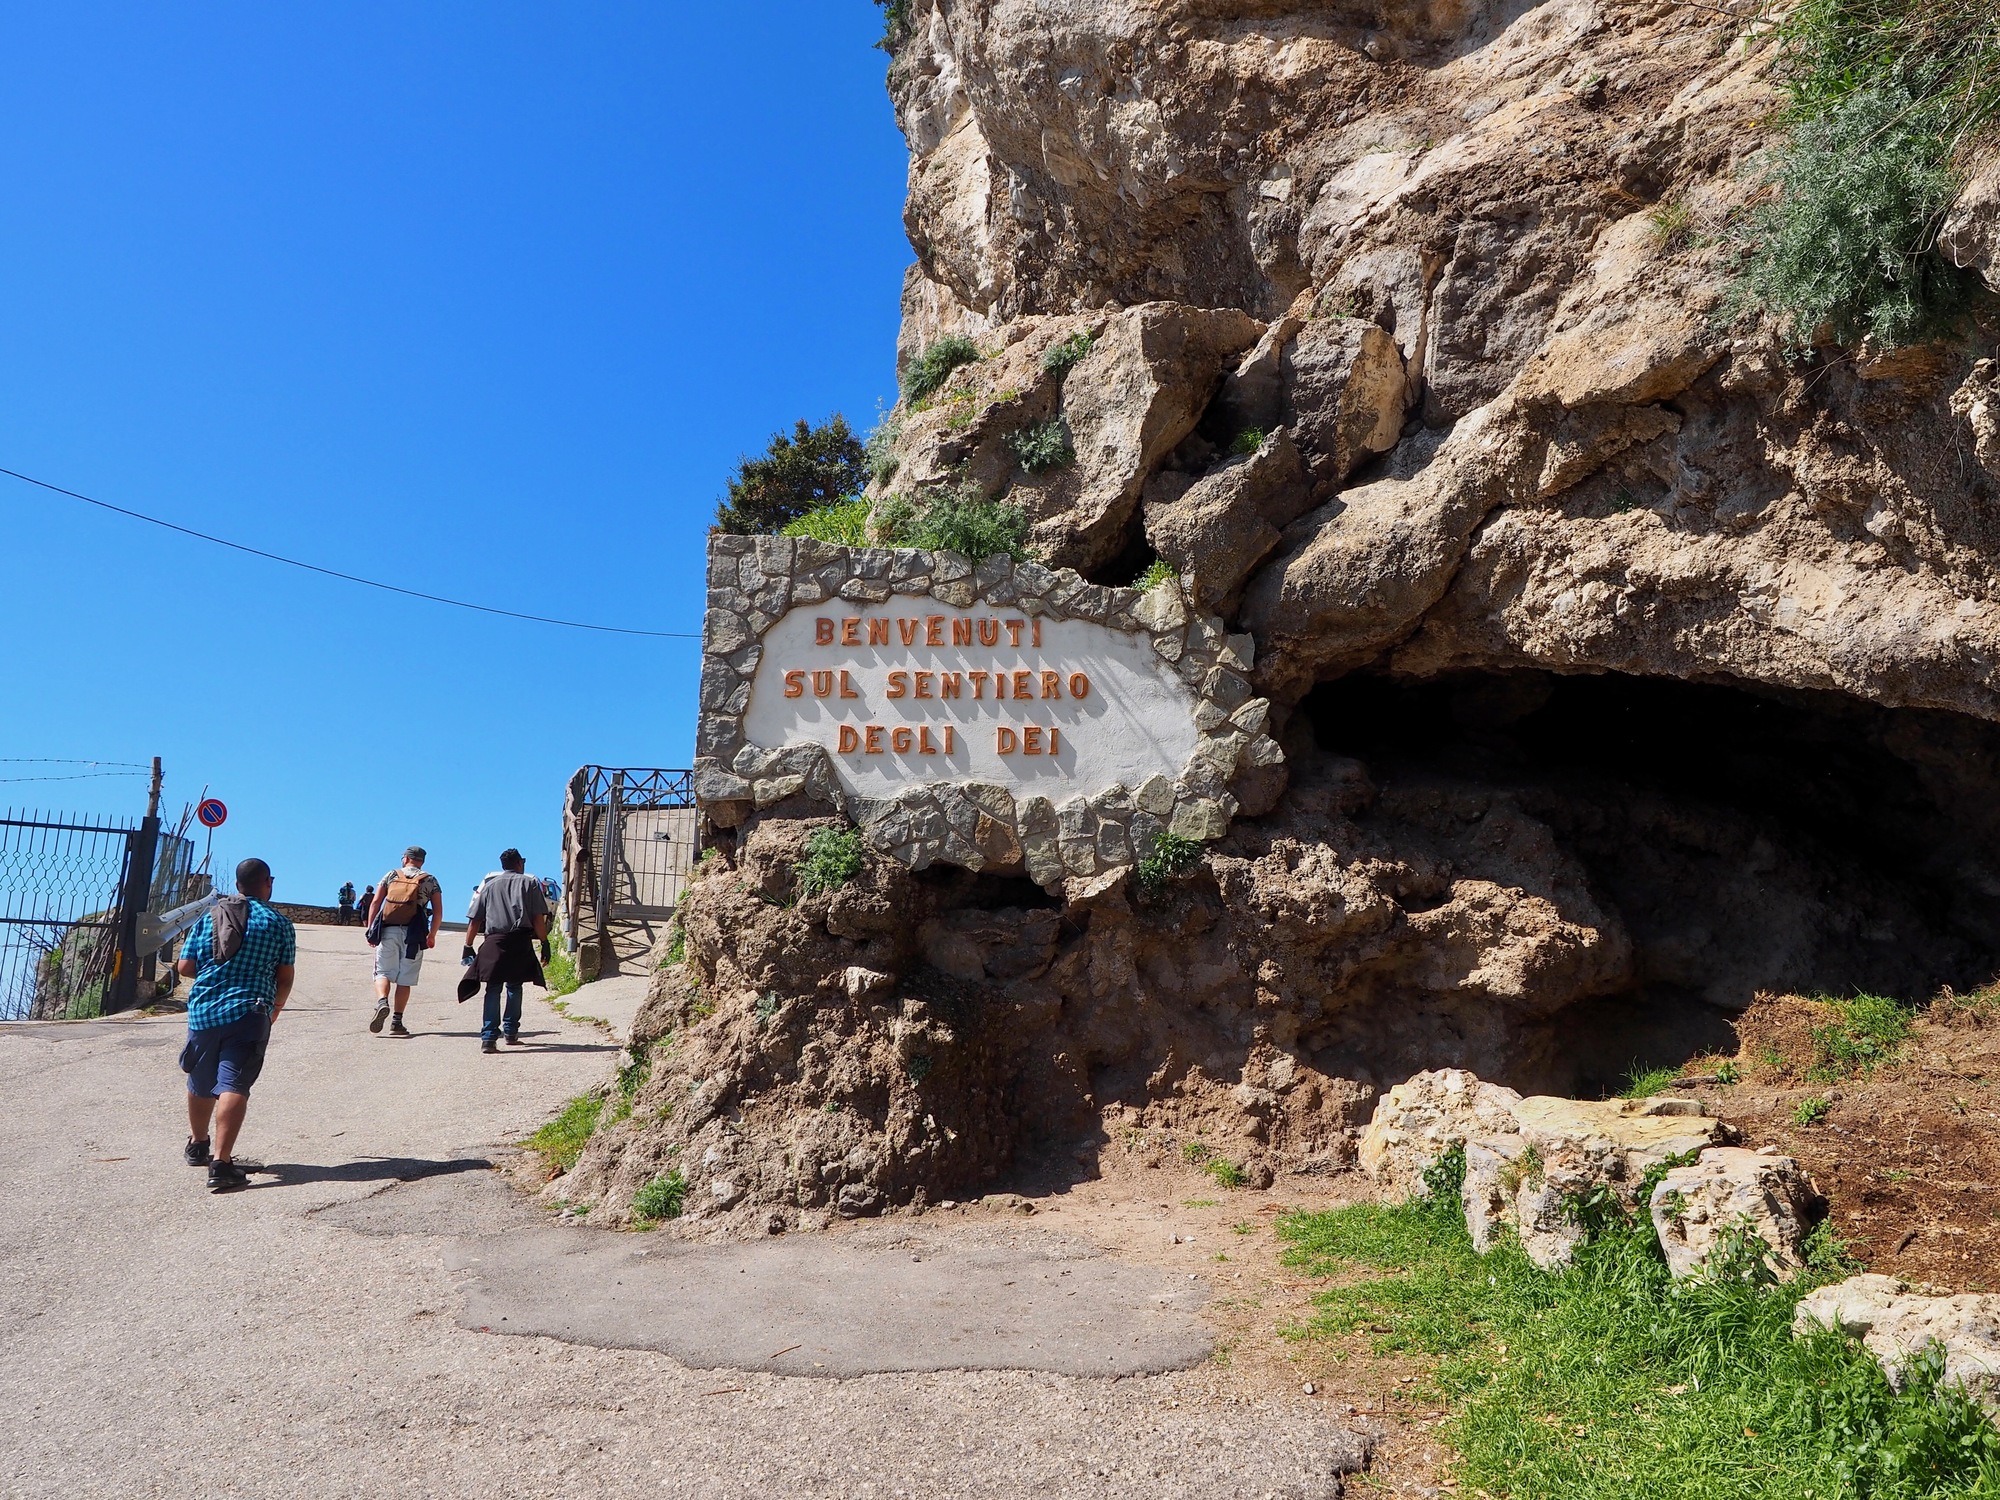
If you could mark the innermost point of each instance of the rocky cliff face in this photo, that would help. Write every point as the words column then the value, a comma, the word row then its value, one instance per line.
column 1627, row 662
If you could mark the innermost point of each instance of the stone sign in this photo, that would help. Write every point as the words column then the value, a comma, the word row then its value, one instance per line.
column 997, row 716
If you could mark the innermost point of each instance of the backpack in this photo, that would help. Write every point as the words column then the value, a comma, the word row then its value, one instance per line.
column 402, row 899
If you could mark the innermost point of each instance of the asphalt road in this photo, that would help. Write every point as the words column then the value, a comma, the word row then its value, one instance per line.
column 331, row 1332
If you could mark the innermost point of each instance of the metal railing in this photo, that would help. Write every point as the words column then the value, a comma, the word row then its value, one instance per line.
column 62, row 880
column 630, row 841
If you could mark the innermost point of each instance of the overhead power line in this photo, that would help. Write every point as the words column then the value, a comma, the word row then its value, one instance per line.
column 83, row 776
column 387, row 588
column 55, row 760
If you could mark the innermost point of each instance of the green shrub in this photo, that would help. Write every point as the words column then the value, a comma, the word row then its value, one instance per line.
column 1043, row 446
column 958, row 519
column 813, row 468
column 880, row 448
column 1194, row 1153
column 1610, row 1379
column 632, row 1076
column 1158, row 571
column 833, row 857
column 1058, row 358
column 1246, row 442
column 561, row 1141
column 1813, row 1111
column 662, row 1198
column 1672, row 225
column 932, row 368
column 895, row 25
column 844, row 524
column 1170, row 858
column 1867, row 1030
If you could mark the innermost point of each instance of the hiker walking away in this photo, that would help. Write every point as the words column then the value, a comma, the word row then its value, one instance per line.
column 511, row 913
column 346, row 902
column 241, row 957
column 402, row 926
column 361, row 907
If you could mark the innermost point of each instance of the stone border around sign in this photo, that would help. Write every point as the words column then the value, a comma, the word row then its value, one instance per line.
column 753, row 581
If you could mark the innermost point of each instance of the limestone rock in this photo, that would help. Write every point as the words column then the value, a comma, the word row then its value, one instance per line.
column 1420, row 1119
column 1977, row 401
column 1732, row 1189
column 1216, row 529
column 1897, row 1325
column 1346, row 393
column 1970, row 236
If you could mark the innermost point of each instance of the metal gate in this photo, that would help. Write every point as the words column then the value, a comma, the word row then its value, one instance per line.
column 630, row 840
column 62, row 882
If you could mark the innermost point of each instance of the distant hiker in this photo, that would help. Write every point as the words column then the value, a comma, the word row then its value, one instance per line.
column 240, row 956
column 346, row 903
column 511, row 912
column 367, row 900
column 403, row 922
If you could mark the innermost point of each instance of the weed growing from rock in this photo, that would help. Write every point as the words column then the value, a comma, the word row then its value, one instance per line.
column 928, row 372
column 1058, row 358
column 662, row 1198
column 561, row 1141
column 1158, row 571
column 1171, row 858
column 1610, row 1379
column 958, row 519
column 1042, row 447
column 560, row 970
column 1246, row 442
column 844, row 524
column 1672, row 225
column 833, row 857
column 880, row 449
column 1225, row 1172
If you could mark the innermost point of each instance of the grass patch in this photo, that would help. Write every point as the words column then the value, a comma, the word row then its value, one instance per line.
column 1671, row 225
column 1644, row 1083
column 1158, row 571
column 1042, row 447
column 1867, row 1030
column 1246, row 442
column 1609, row 1379
column 662, row 1198
column 1171, row 858
column 1058, row 358
column 561, row 1141
column 833, row 857
column 958, row 519
column 928, row 372
column 1225, row 1172
column 560, row 970
column 1812, row 1111
column 879, row 452
column 632, row 1076
column 1194, row 1153
column 844, row 524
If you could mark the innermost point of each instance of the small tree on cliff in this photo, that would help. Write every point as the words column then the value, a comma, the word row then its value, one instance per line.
column 813, row 468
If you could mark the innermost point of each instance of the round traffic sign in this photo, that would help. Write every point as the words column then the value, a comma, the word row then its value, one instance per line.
column 212, row 813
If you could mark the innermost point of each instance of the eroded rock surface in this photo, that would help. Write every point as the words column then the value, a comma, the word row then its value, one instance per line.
column 1731, row 1191
column 1899, row 1325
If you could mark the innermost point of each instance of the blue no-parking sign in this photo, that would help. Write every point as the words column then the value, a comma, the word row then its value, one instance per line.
column 212, row 813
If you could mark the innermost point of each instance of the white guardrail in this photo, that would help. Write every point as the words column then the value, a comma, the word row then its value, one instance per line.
column 156, row 930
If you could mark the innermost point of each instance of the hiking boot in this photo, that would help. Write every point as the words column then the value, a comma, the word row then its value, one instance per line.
column 381, row 1015
column 195, row 1152
column 489, row 1045
column 513, row 1040
column 397, row 1028
column 226, row 1177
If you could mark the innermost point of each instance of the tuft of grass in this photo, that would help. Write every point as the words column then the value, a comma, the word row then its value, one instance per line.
column 1246, row 442
column 1194, row 1153
column 632, row 1076
column 958, row 519
column 560, row 1142
column 1058, row 358
column 928, row 372
column 1672, row 225
column 1225, row 1172
column 1728, row 1072
column 1170, row 858
column 1812, row 1111
column 1158, row 571
column 1042, row 447
column 844, row 524
column 767, row 1007
column 662, row 1198
column 1867, row 1030
column 1610, row 1379
column 1644, row 1083
column 833, row 857
column 560, row 970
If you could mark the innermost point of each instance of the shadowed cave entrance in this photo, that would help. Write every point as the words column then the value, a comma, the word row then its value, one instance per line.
column 1747, row 840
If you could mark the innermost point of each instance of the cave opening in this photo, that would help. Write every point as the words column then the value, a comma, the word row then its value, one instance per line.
column 1746, row 839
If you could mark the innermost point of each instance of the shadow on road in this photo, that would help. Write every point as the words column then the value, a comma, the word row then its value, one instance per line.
column 533, row 1045
column 368, row 1169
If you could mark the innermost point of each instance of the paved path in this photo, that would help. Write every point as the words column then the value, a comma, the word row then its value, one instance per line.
column 321, row 1335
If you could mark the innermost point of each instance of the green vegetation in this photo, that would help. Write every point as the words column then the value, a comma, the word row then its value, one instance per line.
column 958, row 519
column 930, row 370
column 918, row 1067
column 767, row 1007
column 1728, row 1072
column 1672, row 225
column 1041, row 447
column 1246, row 442
column 561, row 1141
column 1170, row 858
column 1057, row 358
column 662, row 1198
column 1158, row 571
column 560, row 970
column 844, row 523
column 1225, row 1172
column 1644, row 1083
column 833, row 857
column 1889, row 100
column 1609, row 1379
column 677, row 945
column 1867, row 1030
column 1194, row 1153
column 632, row 1076
column 813, row 468
column 880, row 449
column 1812, row 1111
column 895, row 24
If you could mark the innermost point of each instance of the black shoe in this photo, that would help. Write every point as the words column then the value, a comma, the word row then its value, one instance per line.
column 512, row 1040
column 397, row 1028
column 195, row 1152
column 381, row 1015
column 226, row 1177
column 489, row 1045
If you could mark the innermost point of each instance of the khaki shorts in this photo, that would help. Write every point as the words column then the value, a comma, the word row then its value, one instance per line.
column 390, row 962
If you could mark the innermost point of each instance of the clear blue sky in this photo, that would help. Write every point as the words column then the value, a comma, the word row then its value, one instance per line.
column 484, row 300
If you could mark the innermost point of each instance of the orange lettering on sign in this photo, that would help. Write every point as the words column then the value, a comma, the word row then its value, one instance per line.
column 872, row 740
column 1079, row 685
column 899, row 684
column 795, row 684
column 1024, row 685
column 1005, row 740
column 950, row 741
column 1051, row 684
column 989, row 632
column 822, row 631
column 900, row 738
column 1038, row 632
column 1031, row 740
column 846, row 686
column 1055, row 739
column 978, row 684
column 823, row 684
column 934, row 630
column 961, row 632
column 878, row 632
column 951, row 684
column 850, row 739
column 924, row 745
column 850, row 631
column 924, row 684
column 908, row 630
column 1014, row 632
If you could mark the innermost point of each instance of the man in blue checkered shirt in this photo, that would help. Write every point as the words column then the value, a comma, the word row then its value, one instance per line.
column 241, row 957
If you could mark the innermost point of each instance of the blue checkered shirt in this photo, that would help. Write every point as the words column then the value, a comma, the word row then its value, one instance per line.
column 226, row 992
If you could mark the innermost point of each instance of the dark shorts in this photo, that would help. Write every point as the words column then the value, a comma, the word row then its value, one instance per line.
column 226, row 1059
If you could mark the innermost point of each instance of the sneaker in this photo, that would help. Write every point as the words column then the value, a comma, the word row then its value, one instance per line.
column 195, row 1152
column 226, row 1177
column 512, row 1040
column 489, row 1045
column 397, row 1028
column 381, row 1015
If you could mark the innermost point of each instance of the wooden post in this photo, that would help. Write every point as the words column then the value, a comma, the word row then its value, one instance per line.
column 607, row 867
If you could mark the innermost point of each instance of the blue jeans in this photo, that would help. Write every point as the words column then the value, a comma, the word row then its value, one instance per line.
column 493, row 1028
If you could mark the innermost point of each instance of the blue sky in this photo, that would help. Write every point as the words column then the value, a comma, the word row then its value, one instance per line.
column 484, row 300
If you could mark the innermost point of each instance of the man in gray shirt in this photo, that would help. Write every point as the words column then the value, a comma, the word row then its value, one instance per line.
column 511, row 913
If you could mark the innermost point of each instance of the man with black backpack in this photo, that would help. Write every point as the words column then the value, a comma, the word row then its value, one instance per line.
column 402, row 925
